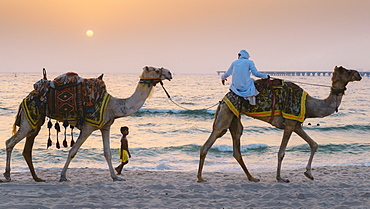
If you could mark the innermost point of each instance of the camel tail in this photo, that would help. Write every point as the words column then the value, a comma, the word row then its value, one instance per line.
column 17, row 120
column 216, row 113
column 14, row 128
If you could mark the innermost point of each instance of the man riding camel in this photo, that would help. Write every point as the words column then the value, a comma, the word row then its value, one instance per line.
column 242, row 84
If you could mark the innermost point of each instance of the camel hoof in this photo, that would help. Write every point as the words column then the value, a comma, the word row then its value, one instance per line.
column 308, row 175
column 118, row 179
column 283, row 180
column 254, row 179
column 7, row 176
column 63, row 179
column 39, row 179
column 201, row 180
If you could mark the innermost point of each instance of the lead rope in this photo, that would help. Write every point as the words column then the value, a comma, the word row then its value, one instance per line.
column 169, row 97
column 312, row 84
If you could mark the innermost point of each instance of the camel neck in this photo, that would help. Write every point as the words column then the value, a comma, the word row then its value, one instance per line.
column 128, row 106
column 318, row 108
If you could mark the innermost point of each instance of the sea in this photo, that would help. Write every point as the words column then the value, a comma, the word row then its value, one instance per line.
column 166, row 135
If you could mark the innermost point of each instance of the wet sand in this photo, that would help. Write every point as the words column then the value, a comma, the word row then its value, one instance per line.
column 333, row 187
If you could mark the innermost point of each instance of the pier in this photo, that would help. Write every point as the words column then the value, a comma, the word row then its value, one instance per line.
column 300, row 73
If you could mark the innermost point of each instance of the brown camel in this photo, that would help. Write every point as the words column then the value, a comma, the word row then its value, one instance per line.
column 315, row 108
column 116, row 108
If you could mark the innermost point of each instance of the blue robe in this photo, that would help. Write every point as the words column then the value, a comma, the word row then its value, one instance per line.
column 242, row 84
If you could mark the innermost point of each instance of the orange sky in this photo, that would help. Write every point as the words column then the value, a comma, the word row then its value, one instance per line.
column 185, row 36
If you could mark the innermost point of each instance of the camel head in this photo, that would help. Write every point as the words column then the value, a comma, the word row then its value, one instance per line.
column 341, row 77
column 153, row 75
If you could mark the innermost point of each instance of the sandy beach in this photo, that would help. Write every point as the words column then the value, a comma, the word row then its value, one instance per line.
column 333, row 187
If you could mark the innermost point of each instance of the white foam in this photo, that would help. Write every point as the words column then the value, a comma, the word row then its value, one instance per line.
column 243, row 148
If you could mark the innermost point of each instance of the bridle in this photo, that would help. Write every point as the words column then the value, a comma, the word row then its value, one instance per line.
column 152, row 81
column 337, row 91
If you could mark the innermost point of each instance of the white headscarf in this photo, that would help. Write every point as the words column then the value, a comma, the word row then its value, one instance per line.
column 243, row 54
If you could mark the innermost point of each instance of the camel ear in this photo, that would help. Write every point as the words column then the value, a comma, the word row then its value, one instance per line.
column 340, row 68
column 44, row 73
column 146, row 68
column 334, row 76
column 101, row 76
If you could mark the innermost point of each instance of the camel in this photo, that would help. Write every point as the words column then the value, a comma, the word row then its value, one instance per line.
column 116, row 108
column 315, row 108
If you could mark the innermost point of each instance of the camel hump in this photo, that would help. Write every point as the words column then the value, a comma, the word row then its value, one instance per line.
column 268, row 83
column 67, row 79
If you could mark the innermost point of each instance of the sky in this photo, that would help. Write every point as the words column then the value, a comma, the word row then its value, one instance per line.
column 185, row 36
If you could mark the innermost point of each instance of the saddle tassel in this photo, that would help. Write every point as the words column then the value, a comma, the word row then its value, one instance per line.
column 57, row 127
column 65, row 125
column 50, row 125
column 72, row 141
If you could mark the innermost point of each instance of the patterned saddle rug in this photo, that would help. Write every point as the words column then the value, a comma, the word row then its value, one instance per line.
column 67, row 98
column 285, row 98
column 64, row 98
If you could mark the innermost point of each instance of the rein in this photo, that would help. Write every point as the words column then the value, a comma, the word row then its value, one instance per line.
column 333, row 90
column 169, row 97
column 154, row 81
column 312, row 84
column 269, row 83
column 158, row 80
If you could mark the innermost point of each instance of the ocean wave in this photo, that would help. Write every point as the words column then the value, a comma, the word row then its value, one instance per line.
column 191, row 148
column 243, row 148
column 352, row 127
column 187, row 113
column 353, row 148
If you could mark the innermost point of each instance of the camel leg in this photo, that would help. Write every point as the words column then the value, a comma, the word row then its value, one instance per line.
column 108, row 153
column 313, row 145
column 84, row 134
column 22, row 132
column 236, row 130
column 27, row 153
column 223, row 118
column 288, row 130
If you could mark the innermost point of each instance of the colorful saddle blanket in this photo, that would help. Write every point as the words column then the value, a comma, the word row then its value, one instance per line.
column 290, row 101
column 67, row 97
column 34, row 110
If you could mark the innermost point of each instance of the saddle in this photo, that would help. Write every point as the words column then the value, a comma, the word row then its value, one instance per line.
column 276, row 97
column 64, row 98
column 69, row 99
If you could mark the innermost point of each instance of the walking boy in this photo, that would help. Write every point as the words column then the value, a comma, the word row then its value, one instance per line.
column 124, row 153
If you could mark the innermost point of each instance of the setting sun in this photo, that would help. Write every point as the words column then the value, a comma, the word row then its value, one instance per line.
column 89, row 33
